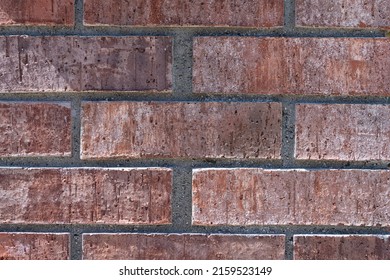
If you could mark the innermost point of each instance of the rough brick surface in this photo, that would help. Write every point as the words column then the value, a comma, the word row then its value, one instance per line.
column 35, row 129
column 86, row 196
column 341, row 247
column 37, row 12
column 182, row 246
column 41, row 64
column 34, row 246
column 304, row 66
column 300, row 197
column 245, row 13
column 342, row 132
column 343, row 13
column 176, row 129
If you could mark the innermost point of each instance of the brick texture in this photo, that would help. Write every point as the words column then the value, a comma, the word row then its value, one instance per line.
column 301, row 66
column 37, row 12
column 85, row 196
column 34, row 246
column 35, row 129
column 343, row 13
column 248, row 13
column 56, row 64
column 341, row 247
column 179, row 130
column 299, row 197
column 182, row 246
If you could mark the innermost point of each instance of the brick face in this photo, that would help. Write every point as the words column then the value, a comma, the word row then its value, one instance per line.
column 298, row 197
column 300, row 66
column 248, row 13
column 182, row 246
column 180, row 130
column 56, row 64
column 341, row 247
column 85, row 196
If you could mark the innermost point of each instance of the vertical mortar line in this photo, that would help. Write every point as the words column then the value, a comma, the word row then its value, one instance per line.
column 79, row 14
column 288, row 134
column 76, row 244
column 76, row 128
column 289, row 246
column 289, row 14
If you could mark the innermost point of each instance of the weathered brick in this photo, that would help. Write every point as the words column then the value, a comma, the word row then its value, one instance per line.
column 341, row 247
column 35, row 129
column 343, row 13
column 37, row 12
column 178, row 129
column 244, row 13
column 182, row 246
column 41, row 64
column 34, row 246
column 299, row 197
column 342, row 132
column 85, row 195
column 302, row 66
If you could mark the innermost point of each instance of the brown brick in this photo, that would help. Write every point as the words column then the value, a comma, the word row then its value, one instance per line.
column 34, row 246
column 300, row 197
column 182, row 246
column 341, row 247
column 342, row 132
column 35, row 129
column 41, row 64
column 244, row 13
column 85, row 196
column 177, row 129
column 37, row 12
column 343, row 13
column 302, row 66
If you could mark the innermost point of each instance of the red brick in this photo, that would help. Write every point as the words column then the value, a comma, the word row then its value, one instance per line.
column 35, row 129
column 42, row 64
column 343, row 13
column 301, row 66
column 37, row 12
column 244, row 13
column 182, row 246
column 341, row 247
column 85, row 196
column 34, row 246
column 177, row 129
column 342, row 132
column 243, row 197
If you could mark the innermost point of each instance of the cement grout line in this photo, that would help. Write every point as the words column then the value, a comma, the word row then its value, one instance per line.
column 289, row 246
column 288, row 134
column 76, row 129
column 79, row 15
column 76, row 244
column 289, row 14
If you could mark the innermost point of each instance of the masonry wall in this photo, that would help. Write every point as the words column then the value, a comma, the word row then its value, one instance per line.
column 194, row 129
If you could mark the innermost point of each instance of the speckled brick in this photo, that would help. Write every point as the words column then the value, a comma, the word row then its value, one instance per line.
column 341, row 247
column 58, row 64
column 243, row 13
column 343, row 13
column 300, row 66
column 182, row 246
column 85, row 196
column 37, row 12
column 180, row 130
column 244, row 197
column 34, row 246
column 354, row 132
column 35, row 129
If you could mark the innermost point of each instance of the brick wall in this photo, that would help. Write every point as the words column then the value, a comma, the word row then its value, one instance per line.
column 194, row 129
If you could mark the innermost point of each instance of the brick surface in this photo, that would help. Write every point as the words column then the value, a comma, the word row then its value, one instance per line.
column 244, row 13
column 34, row 246
column 41, row 64
column 341, row 247
column 37, row 12
column 35, row 129
column 302, row 66
column 176, row 129
column 342, row 132
column 343, row 13
column 86, row 196
column 182, row 246
column 299, row 197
